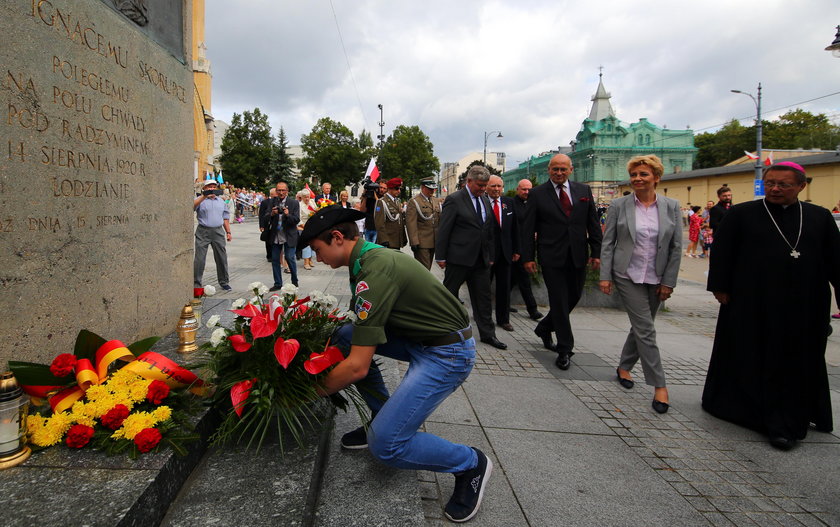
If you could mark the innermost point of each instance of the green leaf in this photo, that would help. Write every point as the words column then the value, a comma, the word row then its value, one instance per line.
column 30, row 373
column 87, row 343
column 142, row 346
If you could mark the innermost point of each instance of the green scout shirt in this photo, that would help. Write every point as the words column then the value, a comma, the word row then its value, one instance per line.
column 393, row 290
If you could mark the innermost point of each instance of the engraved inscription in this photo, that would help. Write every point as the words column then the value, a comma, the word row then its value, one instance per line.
column 78, row 31
column 47, row 223
column 90, row 189
column 89, row 79
column 26, row 118
column 151, row 74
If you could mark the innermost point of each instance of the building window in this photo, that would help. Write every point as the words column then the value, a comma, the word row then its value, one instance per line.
column 647, row 139
column 641, row 140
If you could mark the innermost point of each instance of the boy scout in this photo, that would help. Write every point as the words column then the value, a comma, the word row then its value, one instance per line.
column 402, row 312
column 422, row 216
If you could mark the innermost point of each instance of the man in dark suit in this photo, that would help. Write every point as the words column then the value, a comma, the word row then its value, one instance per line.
column 262, row 217
column 464, row 248
column 283, row 217
column 506, row 248
column 561, row 213
column 326, row 190
column 519, row 276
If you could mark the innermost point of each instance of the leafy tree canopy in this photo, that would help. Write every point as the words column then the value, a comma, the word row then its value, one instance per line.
column 247, row 149
column 493, row 171
column 408, row 154
column 332, row 154
column 281, row 162
column 795, row 129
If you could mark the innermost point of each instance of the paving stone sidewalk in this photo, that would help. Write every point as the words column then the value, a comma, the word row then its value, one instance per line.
column 574, row 448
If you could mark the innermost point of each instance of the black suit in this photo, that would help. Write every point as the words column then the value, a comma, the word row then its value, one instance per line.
column 506, row 244
column 716, row 214
column 465, row 243
column 264, row 204
column 519, row 276
column 332, row 197
column 564, row 244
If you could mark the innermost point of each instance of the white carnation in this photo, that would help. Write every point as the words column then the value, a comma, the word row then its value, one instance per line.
column 263, row 289
column 218, row 336
column 239, row 303
column 330, row 300
column 255, row 285
column 289, row 289
column 256, row 300
column 317, row 296
column 350, row 316
column 212, row 321
column 209, row 290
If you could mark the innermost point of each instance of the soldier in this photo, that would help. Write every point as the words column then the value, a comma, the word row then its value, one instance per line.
column 422, row 216
column 389, row 217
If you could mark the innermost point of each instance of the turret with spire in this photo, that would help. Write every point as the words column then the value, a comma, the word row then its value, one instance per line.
column 601, row 107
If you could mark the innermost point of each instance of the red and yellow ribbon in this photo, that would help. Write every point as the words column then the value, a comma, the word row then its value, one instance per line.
column 149, row 365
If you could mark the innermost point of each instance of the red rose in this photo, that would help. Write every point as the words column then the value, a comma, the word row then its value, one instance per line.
column 63, row 365
column 158, row 391
column 78, row 436
column 198, row 292
column 114, row 417
column 147, row 439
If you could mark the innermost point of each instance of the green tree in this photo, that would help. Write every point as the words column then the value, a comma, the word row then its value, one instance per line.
column 281, row 162
column 247, row 150
column 331, row 154
column 721, row 147
column 408, row 154
column 493, row 171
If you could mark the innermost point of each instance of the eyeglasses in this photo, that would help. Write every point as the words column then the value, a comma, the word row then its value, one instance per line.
column 778, row 184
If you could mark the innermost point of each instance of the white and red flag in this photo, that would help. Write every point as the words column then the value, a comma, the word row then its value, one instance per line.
column 769, row 160
column 751, row 155
column 311, row 194
column 372, row 170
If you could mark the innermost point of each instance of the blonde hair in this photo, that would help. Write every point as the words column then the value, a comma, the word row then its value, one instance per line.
column 650, row 160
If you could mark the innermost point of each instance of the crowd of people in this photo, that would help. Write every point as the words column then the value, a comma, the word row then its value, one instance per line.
column 773, row 262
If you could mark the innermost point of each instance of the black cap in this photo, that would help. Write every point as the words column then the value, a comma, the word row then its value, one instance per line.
column 326, row 218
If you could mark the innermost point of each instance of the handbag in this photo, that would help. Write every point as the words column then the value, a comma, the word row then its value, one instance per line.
column 264, row 235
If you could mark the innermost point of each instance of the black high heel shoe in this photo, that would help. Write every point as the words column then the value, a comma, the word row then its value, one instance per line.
column 625, row 383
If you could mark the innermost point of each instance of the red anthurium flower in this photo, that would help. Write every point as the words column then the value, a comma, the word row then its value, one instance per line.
column 300, row 311
column 285, row 351
column 239, row 394
column 239, row 343
column 319, row 362
column 249, row 311
column 266, row 324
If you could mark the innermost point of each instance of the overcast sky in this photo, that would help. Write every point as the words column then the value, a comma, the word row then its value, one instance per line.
column 459, row 68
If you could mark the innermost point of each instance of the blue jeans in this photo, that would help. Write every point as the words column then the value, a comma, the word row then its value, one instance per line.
column 277, row 269
column 370, row 235
column 434, row 372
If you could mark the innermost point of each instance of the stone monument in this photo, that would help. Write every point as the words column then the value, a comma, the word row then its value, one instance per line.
column 96, row 165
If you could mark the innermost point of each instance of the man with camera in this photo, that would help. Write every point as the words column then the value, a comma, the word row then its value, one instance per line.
column 389, row 218
column 213, row 229
column 373, row 193
column 283, row 218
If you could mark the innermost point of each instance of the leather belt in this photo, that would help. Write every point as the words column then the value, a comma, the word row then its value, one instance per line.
column 451, row 338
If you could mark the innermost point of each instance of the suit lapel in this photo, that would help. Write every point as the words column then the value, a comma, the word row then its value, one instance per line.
column 630, row 212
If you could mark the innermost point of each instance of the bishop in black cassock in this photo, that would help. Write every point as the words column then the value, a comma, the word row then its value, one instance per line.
column 771, row 264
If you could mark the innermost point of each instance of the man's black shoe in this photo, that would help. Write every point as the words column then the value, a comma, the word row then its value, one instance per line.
column 563, row 361
column 506, row 326
column 496, row 343
column 546, row 338
column 782, row 443
column 227, row 287
column 514, row 310
column 355, row 439
column 535, row 315
column 275, row 288
column 469, row 489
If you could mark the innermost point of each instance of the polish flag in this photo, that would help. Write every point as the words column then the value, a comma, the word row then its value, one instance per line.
column 372, row 171
column 311, row 194
column 750, row 155
column 444, row 189
column 769, row 160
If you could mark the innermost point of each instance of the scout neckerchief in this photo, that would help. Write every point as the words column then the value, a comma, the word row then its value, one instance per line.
column 356, row 266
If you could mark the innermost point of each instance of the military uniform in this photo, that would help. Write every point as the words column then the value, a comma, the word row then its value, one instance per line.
column 422, row 216
column 390, row 223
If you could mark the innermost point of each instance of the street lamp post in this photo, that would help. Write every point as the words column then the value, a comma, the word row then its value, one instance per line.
column 758, row 188
column 486, row 135
column 834, row 47
column 381, row 135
